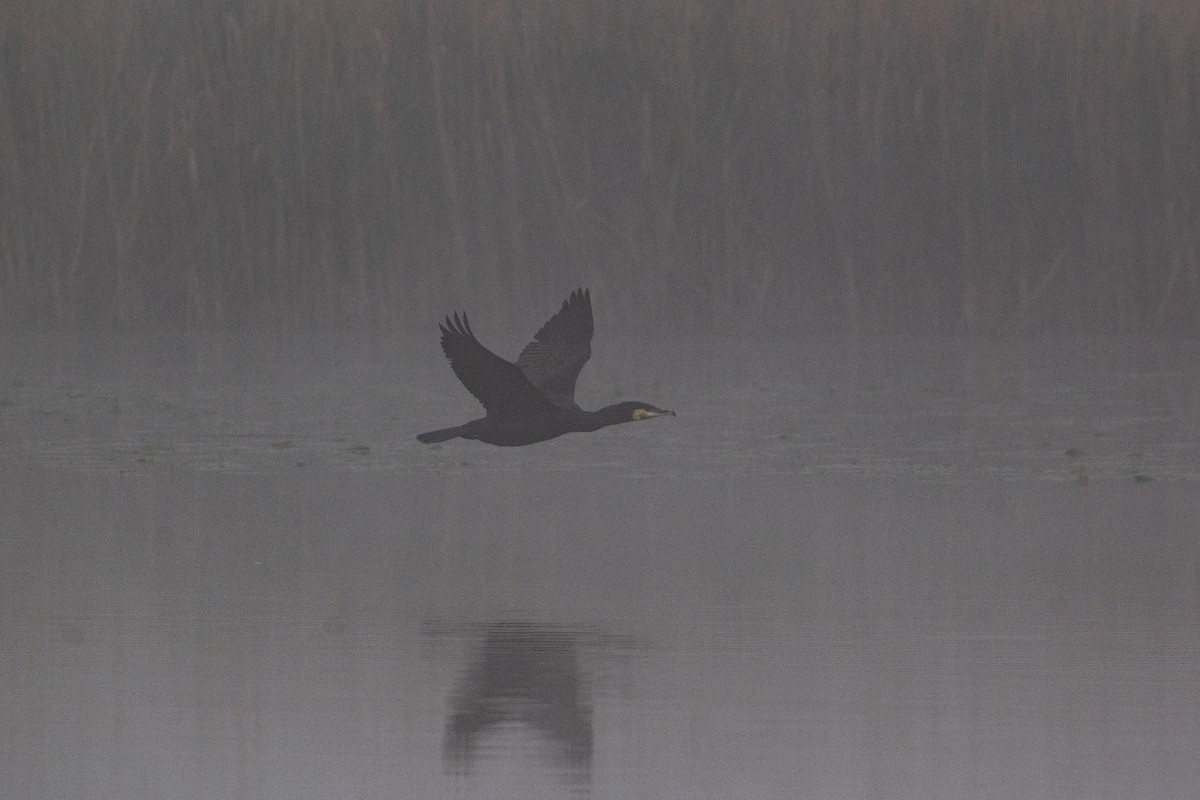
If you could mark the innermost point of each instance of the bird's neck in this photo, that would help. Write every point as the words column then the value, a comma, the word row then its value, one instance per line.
column 609, row 415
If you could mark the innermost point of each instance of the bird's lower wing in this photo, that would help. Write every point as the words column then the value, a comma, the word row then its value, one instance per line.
column 499, row 385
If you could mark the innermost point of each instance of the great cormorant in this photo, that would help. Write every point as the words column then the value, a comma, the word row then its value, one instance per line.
column 534, row 399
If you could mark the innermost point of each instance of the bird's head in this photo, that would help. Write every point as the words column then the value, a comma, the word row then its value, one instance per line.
column 628, row 411
column 640, row 411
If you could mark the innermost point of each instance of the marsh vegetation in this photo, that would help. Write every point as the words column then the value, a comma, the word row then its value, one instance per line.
column 987, row 167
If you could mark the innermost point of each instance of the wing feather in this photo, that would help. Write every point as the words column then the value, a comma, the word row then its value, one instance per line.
column 553, row 360
column 500, row 386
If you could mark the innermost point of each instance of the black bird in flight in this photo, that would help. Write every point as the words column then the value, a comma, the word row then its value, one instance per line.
column 534, row 399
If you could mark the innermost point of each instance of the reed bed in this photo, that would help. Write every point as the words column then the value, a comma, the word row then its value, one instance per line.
column 984, row 166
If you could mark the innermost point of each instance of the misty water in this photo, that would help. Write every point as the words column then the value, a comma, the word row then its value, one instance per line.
column 871, row 568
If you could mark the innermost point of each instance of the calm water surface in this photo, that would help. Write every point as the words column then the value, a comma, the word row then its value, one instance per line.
column 924, row 569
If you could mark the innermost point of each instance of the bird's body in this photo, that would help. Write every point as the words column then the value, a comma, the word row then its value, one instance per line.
column 532, row 400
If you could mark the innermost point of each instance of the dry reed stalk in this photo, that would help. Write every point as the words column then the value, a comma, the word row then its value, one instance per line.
column 927, row 164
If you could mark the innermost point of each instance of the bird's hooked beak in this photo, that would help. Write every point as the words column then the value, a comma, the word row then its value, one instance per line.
column 645, row 413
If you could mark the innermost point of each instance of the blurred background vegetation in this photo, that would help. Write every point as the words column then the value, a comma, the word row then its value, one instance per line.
column 978, row 166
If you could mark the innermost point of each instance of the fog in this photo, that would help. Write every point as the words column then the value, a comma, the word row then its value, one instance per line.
column 996, row 168
column 922, row 285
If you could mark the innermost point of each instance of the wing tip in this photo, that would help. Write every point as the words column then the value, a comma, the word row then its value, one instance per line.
column 581, row 297
column 456, row 325
column 453, row 329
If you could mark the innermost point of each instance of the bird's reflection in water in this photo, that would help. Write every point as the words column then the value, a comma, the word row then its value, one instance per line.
column 530, row 674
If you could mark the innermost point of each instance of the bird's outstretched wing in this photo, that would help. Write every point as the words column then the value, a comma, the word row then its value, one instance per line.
column 559, row 350
column 499, row 385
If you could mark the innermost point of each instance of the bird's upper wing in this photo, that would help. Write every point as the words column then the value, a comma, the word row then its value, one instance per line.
column 559, row 350
column 499, row 385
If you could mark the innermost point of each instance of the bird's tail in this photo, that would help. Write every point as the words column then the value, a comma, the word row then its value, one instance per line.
column 440, row 435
